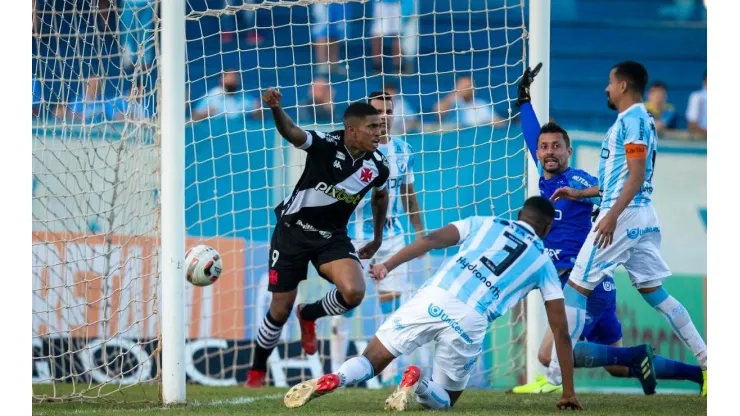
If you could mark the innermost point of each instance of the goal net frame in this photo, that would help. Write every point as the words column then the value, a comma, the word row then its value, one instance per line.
column 170, row 307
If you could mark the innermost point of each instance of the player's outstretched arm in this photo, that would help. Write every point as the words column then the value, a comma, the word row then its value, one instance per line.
column 573, row 194
column 285, row 126
column 563, row 346
column 442, row 238
column 530, row 124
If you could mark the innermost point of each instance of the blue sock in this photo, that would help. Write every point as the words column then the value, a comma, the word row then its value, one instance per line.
column 588, row 354
column 667, row 369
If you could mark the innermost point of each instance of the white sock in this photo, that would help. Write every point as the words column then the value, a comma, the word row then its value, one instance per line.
column 355, row 370
column 431, row 395
column 339, row 341
column 575, row 313
column 679, row 319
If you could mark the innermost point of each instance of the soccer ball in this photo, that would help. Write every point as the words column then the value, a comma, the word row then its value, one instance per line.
column 203, row 265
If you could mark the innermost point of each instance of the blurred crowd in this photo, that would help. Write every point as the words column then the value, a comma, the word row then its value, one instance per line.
column 465, row 106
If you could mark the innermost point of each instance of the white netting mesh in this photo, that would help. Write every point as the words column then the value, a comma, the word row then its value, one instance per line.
column 96, row 171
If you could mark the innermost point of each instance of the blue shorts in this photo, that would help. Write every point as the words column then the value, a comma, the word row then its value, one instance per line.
column 602, row 324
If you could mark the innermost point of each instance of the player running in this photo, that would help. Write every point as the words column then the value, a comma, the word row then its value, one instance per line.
column 550, row 147
column 627, row 231
column 498, row 263
column 341, row 167
column 392, row 290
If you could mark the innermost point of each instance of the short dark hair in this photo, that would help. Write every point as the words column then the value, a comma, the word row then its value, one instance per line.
column 379, row 95
column 634, row 73
column 539, row 207
column 659, row 84
column 359, row 110
column 555, row 128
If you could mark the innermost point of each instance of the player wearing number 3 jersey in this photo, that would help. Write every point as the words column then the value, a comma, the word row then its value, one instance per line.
column 627, row 231
column 499, row 261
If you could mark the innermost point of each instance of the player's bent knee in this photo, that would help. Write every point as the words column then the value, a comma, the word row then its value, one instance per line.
column 353, row 295
column 543, row 358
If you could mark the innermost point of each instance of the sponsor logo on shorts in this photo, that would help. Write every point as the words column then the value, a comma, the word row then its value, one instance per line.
column 465, row 264
column 470, row 363
column 309, row 227
column 608, row 286
column 634, row 233
column 273, row 277
column 338, row 194
column 437, row 312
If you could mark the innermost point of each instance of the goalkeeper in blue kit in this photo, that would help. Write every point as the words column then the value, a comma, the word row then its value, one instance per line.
column 550, row 147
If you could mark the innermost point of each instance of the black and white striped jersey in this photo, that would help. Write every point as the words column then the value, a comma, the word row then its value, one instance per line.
column 332, row 184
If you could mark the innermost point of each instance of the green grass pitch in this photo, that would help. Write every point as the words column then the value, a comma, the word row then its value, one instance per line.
column 352, row 401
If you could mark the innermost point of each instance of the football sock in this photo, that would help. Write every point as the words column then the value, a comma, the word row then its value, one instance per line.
column 331, row 304
column 355, row 370
column 679, row 319
column 588, row 354
column 268, row 336
column 431, row 395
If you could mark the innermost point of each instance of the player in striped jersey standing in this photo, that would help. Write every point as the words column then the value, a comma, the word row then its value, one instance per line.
column 402, row 200
column 627, row 231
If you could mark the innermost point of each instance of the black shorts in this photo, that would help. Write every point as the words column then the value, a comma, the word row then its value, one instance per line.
column 292, row 248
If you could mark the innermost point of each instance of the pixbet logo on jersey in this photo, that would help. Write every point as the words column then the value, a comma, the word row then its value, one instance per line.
column 465, row 264
column 338, row 194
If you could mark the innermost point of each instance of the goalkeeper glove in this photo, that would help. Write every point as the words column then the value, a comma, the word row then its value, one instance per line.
column 527, row 79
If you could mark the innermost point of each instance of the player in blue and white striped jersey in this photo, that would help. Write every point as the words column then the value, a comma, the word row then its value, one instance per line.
column 498, row 263
column 402, row 201
column 627, row 230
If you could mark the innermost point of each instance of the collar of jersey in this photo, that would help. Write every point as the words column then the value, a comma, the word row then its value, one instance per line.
column 527, row 227
column 556, row 177
column 622, row 114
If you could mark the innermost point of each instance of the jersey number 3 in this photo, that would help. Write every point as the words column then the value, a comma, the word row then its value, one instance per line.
column 514, row 248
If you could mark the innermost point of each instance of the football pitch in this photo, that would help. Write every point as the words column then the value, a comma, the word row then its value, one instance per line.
column 353, row 401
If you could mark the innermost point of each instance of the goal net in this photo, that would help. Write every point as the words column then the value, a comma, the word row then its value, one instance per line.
column 452, row 69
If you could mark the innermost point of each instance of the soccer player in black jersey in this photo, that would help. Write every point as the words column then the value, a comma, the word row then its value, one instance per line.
column 341, row 167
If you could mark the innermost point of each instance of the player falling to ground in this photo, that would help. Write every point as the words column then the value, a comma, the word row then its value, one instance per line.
column 400, row 185
column 627, row 231
column 550, row 147
column 498, row 263
column 341, row 167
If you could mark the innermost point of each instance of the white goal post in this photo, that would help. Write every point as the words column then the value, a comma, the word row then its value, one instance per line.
column 124, row 183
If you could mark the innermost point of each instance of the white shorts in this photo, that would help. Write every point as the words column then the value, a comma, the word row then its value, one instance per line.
column 397, row 280
column 386, row 19
column 636, row 245
column 432, row 314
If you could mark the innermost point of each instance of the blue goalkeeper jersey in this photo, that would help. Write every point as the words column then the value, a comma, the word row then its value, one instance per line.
column 572, row 218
